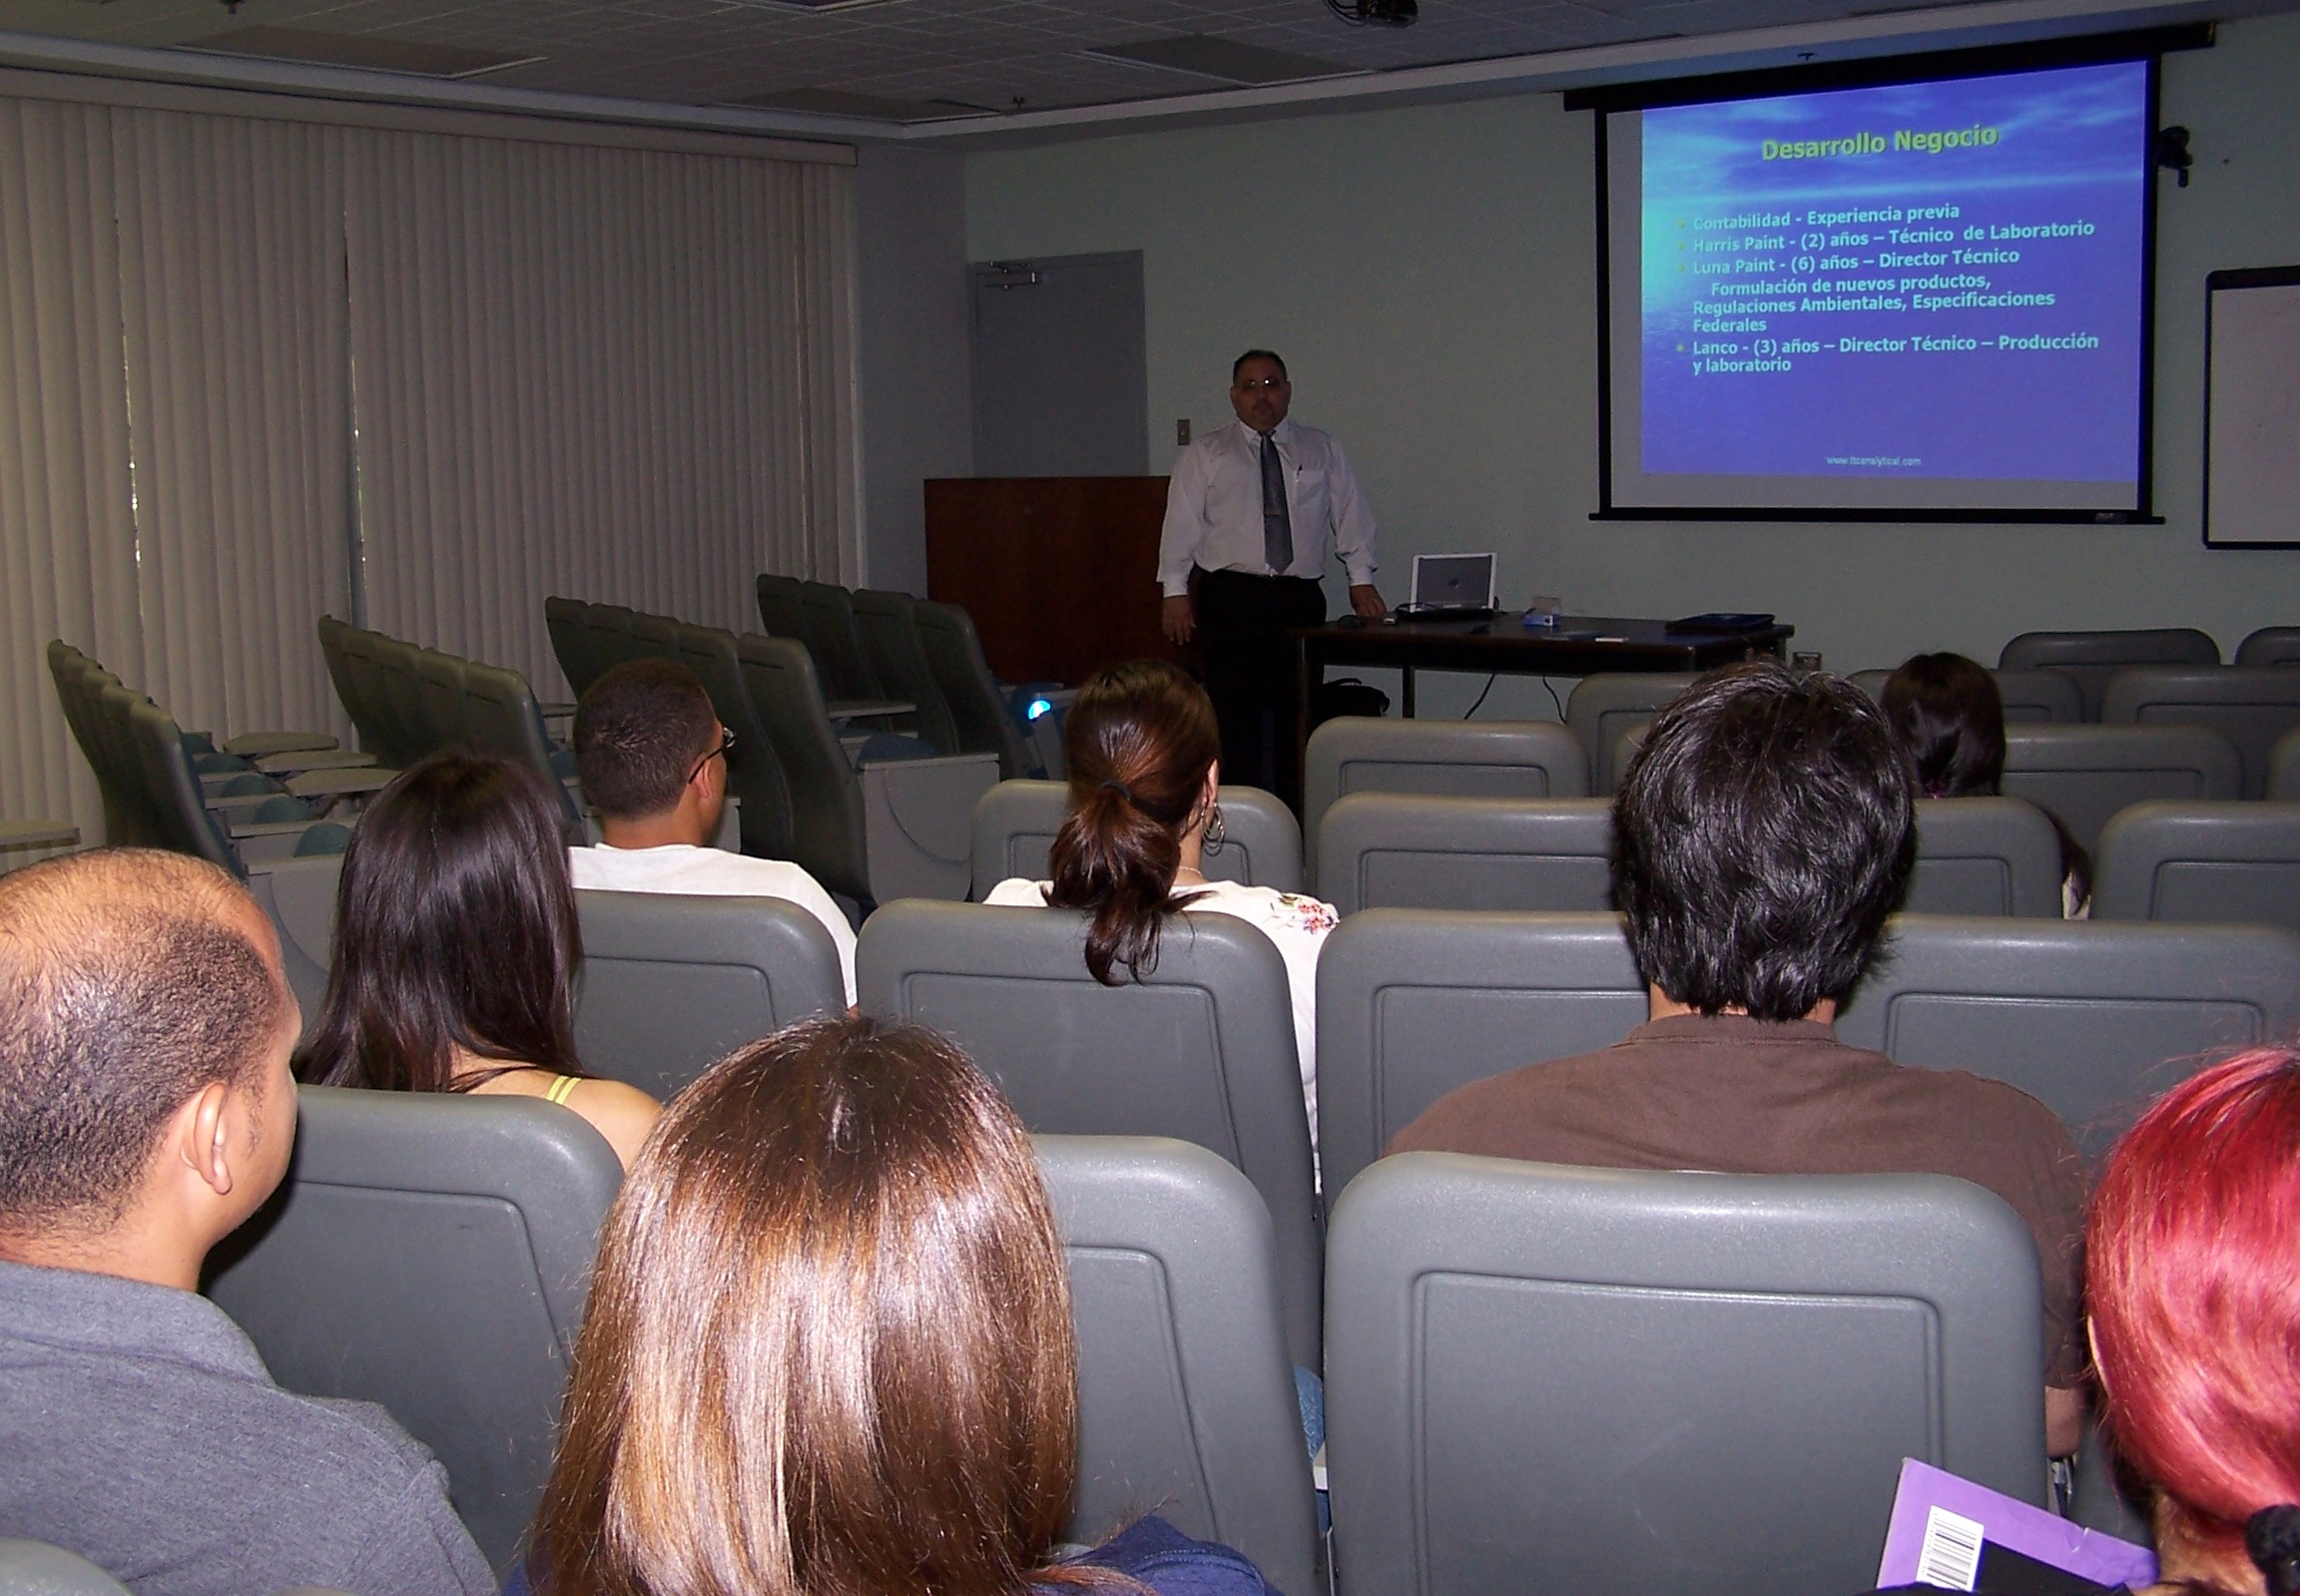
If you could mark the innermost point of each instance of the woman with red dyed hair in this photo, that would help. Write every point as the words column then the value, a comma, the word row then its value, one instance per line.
column 2192, row 1267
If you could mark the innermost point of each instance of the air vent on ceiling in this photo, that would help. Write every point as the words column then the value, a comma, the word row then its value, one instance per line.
column 1206, row 56
column 368, row 52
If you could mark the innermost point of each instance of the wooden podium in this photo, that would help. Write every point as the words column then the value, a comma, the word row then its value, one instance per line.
column 1059, row 573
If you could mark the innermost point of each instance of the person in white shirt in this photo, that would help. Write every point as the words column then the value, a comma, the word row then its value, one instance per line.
column 1145, row 789
column 652, row 756
column 1253, row 509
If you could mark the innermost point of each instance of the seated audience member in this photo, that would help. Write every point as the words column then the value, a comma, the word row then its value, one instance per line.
column 1760, row 838
column 1145, row 804
column 1949, row 718
column 653, row 760
column 145, row 1110
column 830, row 1349
column 2195, row 1311
column 456, row 948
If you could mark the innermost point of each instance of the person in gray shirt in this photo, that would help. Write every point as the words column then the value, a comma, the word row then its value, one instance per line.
column 145, row 1110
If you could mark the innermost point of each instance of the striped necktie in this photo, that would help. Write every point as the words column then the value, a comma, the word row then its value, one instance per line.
column 1277, row 516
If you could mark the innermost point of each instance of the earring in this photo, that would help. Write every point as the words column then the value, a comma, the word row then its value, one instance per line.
column 1215, row 829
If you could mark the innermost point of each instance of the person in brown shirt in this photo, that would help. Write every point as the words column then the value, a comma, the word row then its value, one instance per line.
column 1760, row 839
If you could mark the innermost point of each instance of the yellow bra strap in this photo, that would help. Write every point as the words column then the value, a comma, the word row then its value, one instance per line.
column 560, row 1088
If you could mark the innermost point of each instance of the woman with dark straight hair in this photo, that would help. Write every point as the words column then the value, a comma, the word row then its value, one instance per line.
column 1949, row 713
column 456, row 948
column 2194, row 1289
column 829, row 1350
column 1145, row 805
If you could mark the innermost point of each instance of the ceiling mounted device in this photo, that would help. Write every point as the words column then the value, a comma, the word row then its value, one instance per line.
column 1375, row 13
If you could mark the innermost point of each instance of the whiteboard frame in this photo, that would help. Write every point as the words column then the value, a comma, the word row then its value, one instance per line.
column 2217, row 284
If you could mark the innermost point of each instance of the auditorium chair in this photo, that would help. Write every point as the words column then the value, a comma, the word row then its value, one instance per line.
column 432, row 1252
column 1201, row 1048
column 671, row 983
column 1186, row 1400
column 888, row 625
column 754, row 770
column 2085, row 773
column 1412, row 1003
column 1467, row 758
column 782, row 606
column 2271, row 645
column 2253, row 704
column 850, row 670
column 1015, row 823
column 2220, row 864
column 2091, row 658
column 978, row 710
column 2051, row 697
column 1410, row 850
column 1604, row 706
column 1984, row 855
column 2284, row 767
column 2091, row 1017
column 574, row 642
column 1561, row 1381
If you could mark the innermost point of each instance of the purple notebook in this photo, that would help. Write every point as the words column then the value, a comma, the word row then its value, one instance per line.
column 1945, row 1527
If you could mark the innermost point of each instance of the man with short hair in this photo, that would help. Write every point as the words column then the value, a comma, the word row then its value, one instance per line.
column 145, row 1110
column 652, row 756
column 1252, row 510
column 1760, row 839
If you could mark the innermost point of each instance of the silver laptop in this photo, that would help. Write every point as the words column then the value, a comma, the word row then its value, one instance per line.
column 1452, row 584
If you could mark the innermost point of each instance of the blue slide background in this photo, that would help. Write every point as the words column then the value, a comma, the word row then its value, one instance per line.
column 2072, row 146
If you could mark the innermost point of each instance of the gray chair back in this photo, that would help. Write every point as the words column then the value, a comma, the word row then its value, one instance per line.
column 1984, row 855
column 888, row 625
column 1602, row 707
column 432, row 1252
column 35, row 1568
column 782, row 607
column 366, row 717
column 828, row 833
column 178, row 805
column 753, row 771
column 671, row 984
column 2271, row 645
column 1463, row 758
column 398, row 740
column 839, row 646
column 655, row 635
column 1409, row 852
column 104, row 742
column 298, row 894
column 1185, row 1397
column 2091, row 658
column 502, row 718
column 1201, row 1049
column 2085, row 773
column 402, row 685
column 1544, row 1379
column 977, row 709
column 2092, row 1018
column 1015, row 823
column 2284, row 766
column 440, row 680
column 2047, row 695
column 2254, row 703
column 2223, row 863
column 1412, row 1003
column 580, row 660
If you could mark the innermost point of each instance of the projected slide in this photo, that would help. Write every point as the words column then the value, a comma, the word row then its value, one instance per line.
column 1927, row 283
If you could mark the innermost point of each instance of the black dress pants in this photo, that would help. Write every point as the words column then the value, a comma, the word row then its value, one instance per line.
column 1251, row 671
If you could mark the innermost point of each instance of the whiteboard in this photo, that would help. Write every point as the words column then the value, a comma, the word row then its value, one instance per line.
column 2253, row 408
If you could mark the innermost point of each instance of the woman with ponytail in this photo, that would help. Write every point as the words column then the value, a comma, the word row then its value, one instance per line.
column 1145, row 805
column 2192, row 1267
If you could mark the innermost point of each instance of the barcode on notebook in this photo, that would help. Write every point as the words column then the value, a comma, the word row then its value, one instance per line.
column 1950, row 1555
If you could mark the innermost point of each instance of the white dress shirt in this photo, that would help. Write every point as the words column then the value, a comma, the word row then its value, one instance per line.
column 714, row 872
column 1214, row 507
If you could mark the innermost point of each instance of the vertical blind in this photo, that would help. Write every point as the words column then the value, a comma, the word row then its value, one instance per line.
column 258, row 368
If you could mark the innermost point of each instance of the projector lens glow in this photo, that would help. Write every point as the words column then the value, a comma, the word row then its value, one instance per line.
column 1037, row 708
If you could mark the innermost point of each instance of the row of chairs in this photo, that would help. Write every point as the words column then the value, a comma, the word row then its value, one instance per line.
column 408, row 702
column 2084, row 773
column 869, row 817
column 1511, row 1346
column 2093, row 658
column 873, row 648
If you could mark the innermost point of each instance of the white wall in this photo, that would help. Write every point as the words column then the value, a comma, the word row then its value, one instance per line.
column 1430, row 276
column 917, row 417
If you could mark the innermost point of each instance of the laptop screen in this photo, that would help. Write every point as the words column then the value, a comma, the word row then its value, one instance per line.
column 1453, row 581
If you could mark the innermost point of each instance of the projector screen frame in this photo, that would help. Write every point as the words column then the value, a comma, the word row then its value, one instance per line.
column 2146, row 46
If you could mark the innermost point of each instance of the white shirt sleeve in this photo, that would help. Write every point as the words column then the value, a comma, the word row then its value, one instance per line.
column 808, row 894
column 1352, row 518
column 1185, row 521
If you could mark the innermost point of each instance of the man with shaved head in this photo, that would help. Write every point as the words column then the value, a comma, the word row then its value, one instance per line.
column 145, row 1110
